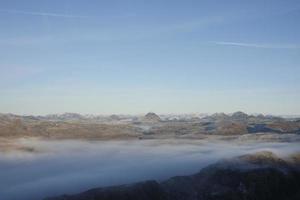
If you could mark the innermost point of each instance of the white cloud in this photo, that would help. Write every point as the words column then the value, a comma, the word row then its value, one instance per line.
column 256, row 45
column 42, row 14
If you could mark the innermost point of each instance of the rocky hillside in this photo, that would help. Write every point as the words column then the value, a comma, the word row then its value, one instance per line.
column 151, row 117
column 72, row 125
column 19, row 126
column 261, row 176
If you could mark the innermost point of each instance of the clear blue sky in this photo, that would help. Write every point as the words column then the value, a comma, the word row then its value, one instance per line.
column 163, row 56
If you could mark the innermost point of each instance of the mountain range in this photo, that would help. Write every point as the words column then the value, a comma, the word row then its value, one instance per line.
column 73, row 125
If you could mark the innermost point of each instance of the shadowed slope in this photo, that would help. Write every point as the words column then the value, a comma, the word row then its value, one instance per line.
column 267, row 177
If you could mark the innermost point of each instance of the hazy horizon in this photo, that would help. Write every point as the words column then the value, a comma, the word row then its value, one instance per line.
column 161, row 56
column 158, row 113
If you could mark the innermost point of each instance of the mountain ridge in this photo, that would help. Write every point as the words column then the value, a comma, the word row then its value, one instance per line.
column 73, row 125
column 272, row 177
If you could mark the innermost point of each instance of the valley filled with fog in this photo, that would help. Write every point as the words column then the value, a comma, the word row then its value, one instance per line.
column 33, row 168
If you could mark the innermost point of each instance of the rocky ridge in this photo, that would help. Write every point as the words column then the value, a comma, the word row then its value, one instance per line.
column 259, row 176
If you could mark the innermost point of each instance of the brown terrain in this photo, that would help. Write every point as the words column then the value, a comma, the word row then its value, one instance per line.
column 72, row 126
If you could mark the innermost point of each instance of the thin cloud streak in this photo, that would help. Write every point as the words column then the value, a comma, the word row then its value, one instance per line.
column 255, row 45
column 140, row 34
column 42, row 14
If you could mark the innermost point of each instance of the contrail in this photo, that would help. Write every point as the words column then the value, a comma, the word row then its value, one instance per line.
column 255, row 45
column 42, row 14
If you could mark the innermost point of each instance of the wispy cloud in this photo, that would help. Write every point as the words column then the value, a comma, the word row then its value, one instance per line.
column 159, row 30
column 193, row 24
column 111, row 35
column 256, row 45
column 48, row 14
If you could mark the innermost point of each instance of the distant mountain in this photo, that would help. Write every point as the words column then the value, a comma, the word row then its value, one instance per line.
column 73, row 125
column 239, row 116
column 65, row 116
column 151, row 117
column 218, row 116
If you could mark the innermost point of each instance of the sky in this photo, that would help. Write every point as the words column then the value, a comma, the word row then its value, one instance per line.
column 137, row 56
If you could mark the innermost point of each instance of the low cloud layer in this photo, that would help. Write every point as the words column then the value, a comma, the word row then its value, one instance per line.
column 58, row 167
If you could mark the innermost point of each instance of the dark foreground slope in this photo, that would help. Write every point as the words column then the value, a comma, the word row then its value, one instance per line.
column 259, row 176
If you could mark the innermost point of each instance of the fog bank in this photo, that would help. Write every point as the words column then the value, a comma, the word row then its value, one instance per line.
column 48, row 168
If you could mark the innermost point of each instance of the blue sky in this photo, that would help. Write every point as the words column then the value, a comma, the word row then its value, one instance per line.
column 129, row 56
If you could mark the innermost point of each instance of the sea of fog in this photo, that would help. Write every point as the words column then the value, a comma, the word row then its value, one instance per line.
column 53, row 168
